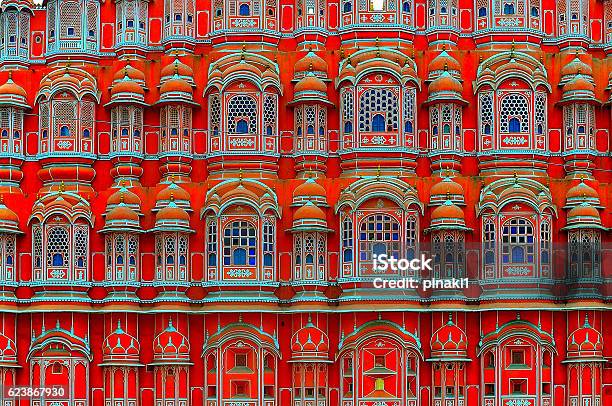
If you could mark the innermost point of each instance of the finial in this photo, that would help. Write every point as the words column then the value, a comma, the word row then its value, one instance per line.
column 118, row 324
column 122, row 183
column 61, row 188
column 310, row 67
column 240, row 317
column 341, row 53
column 378, row 172
column 480, row 59
column 243, row 47
column 122, row 198
column 515, row 178
column 170, row 323
column 450, row 318
column 10, row 75
column 447, row 195
column 586, row 321
column 310, row 48
column 172, row 197
column 240, row 177
column 445, row 67
column 512, row 48
column 518, row 315
column 173, row 178
column 57, row 324
column 2, row 199
column 443, row 47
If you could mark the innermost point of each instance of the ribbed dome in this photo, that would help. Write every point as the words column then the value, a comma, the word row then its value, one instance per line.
column 240, row 191
column 445, row 83
column 446, row 186
column 309, row 343
column 443, row 61
column 582, row 190
column 126, row 85
column 309, row 212
column 9, row 220
column 172, row 212
column 12, row 88
column 176, row 84
column 310, row 191
column 447, row 211
column 121, row 212
column 576, row 66
column 310, row 62
column 583, row 216
column 8, row 351
column 131, row 72
column 578, row 84
column 176, row 68
column 123, row 195
column 310, row 83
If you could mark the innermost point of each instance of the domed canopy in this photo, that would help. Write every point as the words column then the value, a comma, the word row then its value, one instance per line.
column 176, row 90
column 585, row 343
column 172, row 218
column 120, row 348
column 9, row 220
column 579, row 89
column 310, row 89
column 122, row 218
column 310, row 191
column 170, row 347
column 583, row 216
column 447, row 189
column 309, row 344
column 18, row 4
column 309, row 218
column 574, row 67
column 449, row 343
column 8, row 352
column 128, row 70
column 311, row 62
column 445, row 88
column 11, row 94
column 127, row 90
column 448, row 216
column 441, row 63
column 125, row 195
column 177, row 68
column 174, row 191
column 581, row 193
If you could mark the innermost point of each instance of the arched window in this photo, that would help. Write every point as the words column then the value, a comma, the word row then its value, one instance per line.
column 245, row 10
column 242, row 127
column 348, row 127
column 378, row 123
column 535, row 12
column 347, row 239
column 240, row 244
column 482, row 12
column 517, row 241
column 514, row 125
column 348, row 6
column 57, row 246
column 379, row 234
column 371, row 103
column 65, row 131
column 406, row 7
column 508, row 8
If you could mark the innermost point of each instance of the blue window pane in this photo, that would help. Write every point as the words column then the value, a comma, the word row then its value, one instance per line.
column 58, row 260
column 268, row 260
column 119, row 259
column 348, row 255
column 348, row 127
column 239, row 256
column 245, row 10
column 242, row 127
column 170, row 260
column 182, row 260
column 518, row 255
column 514, row 125
column 378, row 123
column 65, row 131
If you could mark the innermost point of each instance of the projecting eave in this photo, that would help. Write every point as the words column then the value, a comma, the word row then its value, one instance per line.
column 583, row 360
column 447, row 227
column 120, row 101
column 120, row 364
column 311, row 360
column 309, row 99
column 170, row 362
column 448, row 359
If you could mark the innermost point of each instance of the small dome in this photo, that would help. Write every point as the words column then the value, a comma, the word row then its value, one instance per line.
column 449, row 341
column 445, row 83
column 170, row 345
column 585, row 342
column 123, row 195
column 444, row 62
column 9, row 220
column 13, row 94
column 582, row 190
column 173, row 190
column 121, row 212
column 175, row 85
column 310, row 83
column 447, row 211
column 176, row 68
column 127, row 86
column 172, row 212
column 311, row 62
column 309, row 343
column 12, row 88
column 120, row 347
column 309, row 190
column 240, row 192
column 309, row 212
column 578, row 84
column 575, row 67
column 583, row 216
column 131, row 72
column 447, row 187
